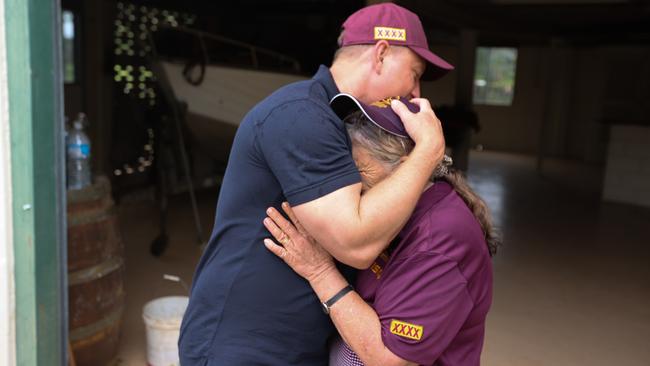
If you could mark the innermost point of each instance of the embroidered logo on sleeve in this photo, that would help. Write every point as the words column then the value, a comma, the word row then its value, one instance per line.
column 390, row 34
column 406, row 330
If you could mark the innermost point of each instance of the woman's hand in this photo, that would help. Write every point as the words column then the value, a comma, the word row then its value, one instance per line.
column 299, row 250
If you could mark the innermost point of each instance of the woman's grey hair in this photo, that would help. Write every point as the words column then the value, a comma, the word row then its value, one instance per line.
column 389, row 149
column 385, row 146
column 382, row 146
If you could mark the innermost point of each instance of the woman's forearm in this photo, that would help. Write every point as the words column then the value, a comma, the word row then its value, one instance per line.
column 356, row 322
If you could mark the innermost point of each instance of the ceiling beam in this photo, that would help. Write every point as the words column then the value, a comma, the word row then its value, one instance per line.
column 538, row 23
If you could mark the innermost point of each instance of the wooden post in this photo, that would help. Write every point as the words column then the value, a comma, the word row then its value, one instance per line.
column 35, row 108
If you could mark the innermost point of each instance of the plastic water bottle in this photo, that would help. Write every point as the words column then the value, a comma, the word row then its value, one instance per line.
column 78, row 155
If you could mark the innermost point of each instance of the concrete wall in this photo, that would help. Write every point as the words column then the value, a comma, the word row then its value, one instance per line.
column 7, row 294
column 515, row 128
column 560, row 91
column 612, row 84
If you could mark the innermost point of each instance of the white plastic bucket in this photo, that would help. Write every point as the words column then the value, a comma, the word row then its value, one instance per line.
column 162, row 318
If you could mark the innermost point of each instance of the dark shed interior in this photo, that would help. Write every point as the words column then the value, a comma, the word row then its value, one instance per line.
column 546, row 112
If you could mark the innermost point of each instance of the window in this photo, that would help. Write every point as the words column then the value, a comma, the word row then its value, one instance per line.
column 69, row 72
column 494, row 76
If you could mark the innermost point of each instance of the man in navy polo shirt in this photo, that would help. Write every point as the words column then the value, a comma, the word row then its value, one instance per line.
column 246, row 306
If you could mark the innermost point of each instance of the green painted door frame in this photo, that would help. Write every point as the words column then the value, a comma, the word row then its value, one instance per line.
column 32, row 31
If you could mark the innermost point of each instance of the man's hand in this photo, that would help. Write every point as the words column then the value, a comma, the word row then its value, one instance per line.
column 423, row 127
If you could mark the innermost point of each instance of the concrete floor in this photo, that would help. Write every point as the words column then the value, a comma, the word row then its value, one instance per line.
column 572, row 282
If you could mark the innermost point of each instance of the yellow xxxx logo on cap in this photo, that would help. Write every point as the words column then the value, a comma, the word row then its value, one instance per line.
column 390, row 34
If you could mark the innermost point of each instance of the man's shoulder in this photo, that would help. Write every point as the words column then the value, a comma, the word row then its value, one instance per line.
column 291, row 99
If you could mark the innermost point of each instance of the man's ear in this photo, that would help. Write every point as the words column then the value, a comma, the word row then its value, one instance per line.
column 380, row 50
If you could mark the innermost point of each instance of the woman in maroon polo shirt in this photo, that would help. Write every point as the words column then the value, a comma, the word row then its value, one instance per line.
column 425, row 299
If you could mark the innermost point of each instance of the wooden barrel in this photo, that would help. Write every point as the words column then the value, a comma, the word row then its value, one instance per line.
column 95, row 275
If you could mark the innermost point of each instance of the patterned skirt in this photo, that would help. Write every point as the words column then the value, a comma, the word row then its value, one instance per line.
column 342, row 355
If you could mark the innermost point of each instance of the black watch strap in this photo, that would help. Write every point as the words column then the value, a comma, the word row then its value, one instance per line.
column 328, row 304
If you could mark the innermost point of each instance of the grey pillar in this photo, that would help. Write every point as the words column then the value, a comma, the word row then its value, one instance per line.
column 465, row 93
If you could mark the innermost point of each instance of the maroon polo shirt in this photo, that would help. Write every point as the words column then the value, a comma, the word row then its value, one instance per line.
column 432, row 288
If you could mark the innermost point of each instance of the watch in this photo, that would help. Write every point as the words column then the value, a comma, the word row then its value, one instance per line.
column 328, row 304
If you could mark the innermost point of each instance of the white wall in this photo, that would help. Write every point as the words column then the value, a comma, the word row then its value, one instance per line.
column 627, row 177
column 7, row 307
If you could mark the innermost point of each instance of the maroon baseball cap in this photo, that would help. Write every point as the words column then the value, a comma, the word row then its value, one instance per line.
column 396, row 25
column 380, row 113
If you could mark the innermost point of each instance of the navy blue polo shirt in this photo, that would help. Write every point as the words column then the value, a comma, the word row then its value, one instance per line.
column 247, row 307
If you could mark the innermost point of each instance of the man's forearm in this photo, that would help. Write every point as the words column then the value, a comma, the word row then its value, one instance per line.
column 385, row 208
column 356, row 228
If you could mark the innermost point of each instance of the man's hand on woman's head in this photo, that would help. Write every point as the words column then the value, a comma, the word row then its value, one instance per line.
column 423, row 127
column 298, row 249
